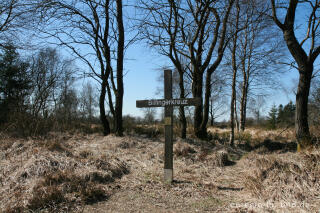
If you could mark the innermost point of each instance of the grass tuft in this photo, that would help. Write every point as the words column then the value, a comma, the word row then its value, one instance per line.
column 295, row 180
column 93, row 194
column 45, row 197
column 183, row 150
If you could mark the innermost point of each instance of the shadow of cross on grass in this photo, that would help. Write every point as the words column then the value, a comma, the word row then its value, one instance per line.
column 230, row 188
column 168, row 103
column 274, row 146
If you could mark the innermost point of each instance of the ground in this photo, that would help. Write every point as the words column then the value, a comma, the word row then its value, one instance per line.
column 209, row 176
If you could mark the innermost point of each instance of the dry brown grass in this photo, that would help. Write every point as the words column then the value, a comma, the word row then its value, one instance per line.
column 54, row 175
column 220, row 159
column 208, row 176
column 258, row 134
column 296, row 176
column 183, row 149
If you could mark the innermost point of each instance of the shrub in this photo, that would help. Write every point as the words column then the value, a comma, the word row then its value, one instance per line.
column 85, row 154
column 127, row 144
column 183, row 150
column 148, row 131
column 221, row 159
column 92, row 194
column 47, row 197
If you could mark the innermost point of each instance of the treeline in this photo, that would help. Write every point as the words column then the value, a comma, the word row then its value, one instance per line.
column 284, row 116
column 281, row 116
column 37, row 94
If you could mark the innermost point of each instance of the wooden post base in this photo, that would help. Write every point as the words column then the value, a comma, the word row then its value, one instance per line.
column 168, row 175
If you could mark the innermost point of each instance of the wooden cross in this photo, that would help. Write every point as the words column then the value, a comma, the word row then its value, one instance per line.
column 168, row 104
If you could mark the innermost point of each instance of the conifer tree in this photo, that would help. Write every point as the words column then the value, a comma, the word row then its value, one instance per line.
column 272, row 117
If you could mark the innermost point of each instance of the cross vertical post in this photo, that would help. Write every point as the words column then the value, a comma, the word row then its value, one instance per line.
column 168, row 131
column 168, row 103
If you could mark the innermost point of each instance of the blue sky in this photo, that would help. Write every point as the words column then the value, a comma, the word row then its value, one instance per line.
column 144, row 64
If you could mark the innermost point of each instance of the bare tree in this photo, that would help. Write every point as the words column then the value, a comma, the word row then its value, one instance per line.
column 304, row 57
column 88, row 101
column 149, row 115
column 218, row 100
column 6, row 14
column 256, row 105
column 195, row 30
column 10, row 12
column 258, row 48
column 47, row 69
column 252, row 55
column 234, row 76
column 94, row 31
column 17, row 21
column 67, row 109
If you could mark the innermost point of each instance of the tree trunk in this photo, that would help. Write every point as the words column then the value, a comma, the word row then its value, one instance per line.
column 103, row 118
column 119, row 93
column 236, row 116
column 301, row 125
column 243, row 106
column 118, row 114
column 182, row 116
column 112, row 110
column 305, row 74
column 203, row 127
column 183, row 122
column 111, row 106
column 244, row 112
column 232, row 109
column 211, row 113
column 234, row 77
column 197, row 93
column 233, row 93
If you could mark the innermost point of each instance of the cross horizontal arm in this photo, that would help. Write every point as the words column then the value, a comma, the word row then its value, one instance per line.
column 168, row 102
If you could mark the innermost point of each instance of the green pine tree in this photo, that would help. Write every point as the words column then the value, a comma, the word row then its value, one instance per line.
column 272, row 117
column 14, row 82
column 280, row 114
